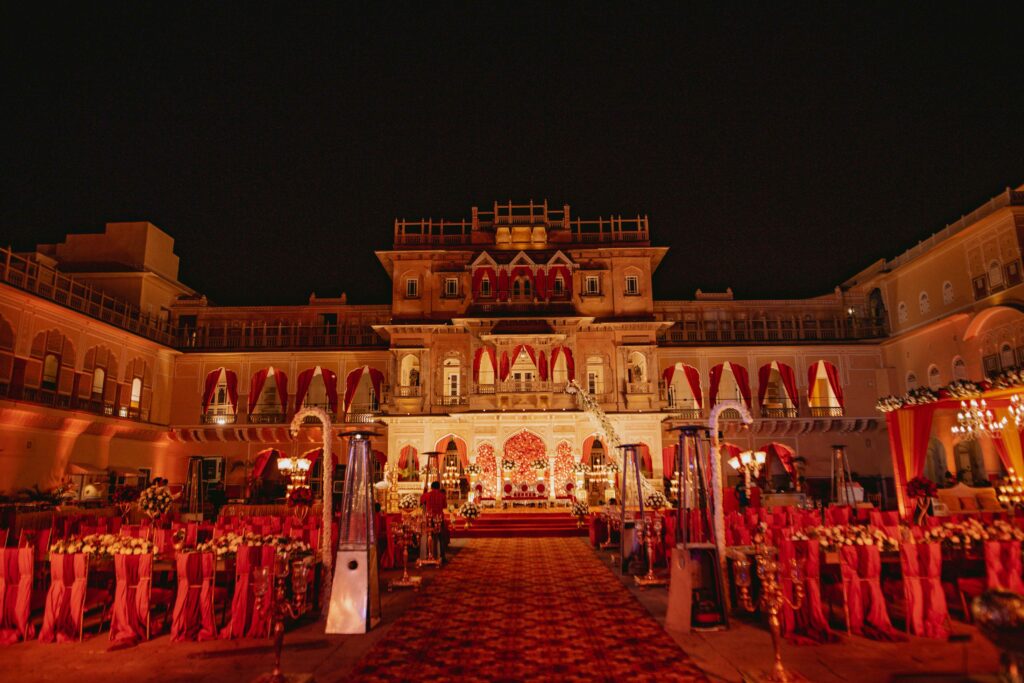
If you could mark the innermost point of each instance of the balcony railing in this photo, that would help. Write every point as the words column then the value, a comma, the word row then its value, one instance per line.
column 51, row 284
column 483, row 388
column 771, row 331
column 779, row 412
column 295, row 336
column 362, row 413
column 686, row 413
column 523, row 386
column 217, row 419
column 451, row 400
column 827, row 411
column 266, row 418
column 309, row 419
column 638, row 387
column 406, row 392
column 50, row 398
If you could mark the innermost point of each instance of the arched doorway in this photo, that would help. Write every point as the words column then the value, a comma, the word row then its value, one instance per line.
column 970, row 466
column 523, row 449
column 935, row 464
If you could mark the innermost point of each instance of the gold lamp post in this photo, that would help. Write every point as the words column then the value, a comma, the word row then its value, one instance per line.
column 771, row 600
column 750, row 464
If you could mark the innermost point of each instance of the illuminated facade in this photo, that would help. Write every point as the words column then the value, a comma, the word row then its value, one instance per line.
column 107, row 361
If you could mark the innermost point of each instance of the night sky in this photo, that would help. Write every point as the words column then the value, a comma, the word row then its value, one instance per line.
column 777, row 148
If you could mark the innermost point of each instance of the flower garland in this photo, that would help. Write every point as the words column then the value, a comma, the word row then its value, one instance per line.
column 523, row 449
column 103, row 545
column 540, row 464
column 473, row 469
column 228, row 544
column 835, row 537
column 469, row 510
column 963, row 535
column 155, row 501
column 959, row 389
column 489, row 469
column 563, row 467
column 508, row 465
column 580, row 468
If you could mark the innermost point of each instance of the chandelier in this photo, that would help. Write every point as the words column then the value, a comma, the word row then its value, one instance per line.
column 295, row 468
column 975, row 419
column 1016, row 410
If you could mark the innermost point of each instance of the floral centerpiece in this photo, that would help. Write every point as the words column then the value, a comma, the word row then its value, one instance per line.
column 155, row 501
column 409, row 502
column 123, row 497
column 921, row 489
column 470, row 511
column 228, row 544
column 579, row 511
column 300, row 500
column 656, row 500
column 508, row 465
column 103, row 545
column 964, row 535
column 835, row 537
column 539, row 464
column 474, row 469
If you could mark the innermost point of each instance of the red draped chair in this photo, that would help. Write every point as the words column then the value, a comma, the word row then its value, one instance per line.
column 245, row 622
column 4, row 533
column 16, row 565
column 927, row 614
column 1002, row 570
column 69, row 598
column 807, row 625
column 837, row 515
column 136, row 531
column 134, row 598
column 193, row 617
column 866, row 614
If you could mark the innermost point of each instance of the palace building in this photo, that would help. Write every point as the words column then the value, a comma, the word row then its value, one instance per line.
column 109, row 366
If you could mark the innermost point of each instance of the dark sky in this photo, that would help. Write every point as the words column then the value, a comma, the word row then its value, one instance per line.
column 777, row 148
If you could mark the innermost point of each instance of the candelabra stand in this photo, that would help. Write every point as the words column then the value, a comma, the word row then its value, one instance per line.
column 283, row 605
column 771, row 600
column 404, row 535
column 652, row 531
column 432, row 528
column 613, row 525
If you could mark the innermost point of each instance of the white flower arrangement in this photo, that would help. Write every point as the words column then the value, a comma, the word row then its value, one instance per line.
column 508, row 465
column 155, row 501
column 228, row 544
column 971, row 532
column 580, row 508
column 539, row 464
column 469, row 510
column 580, row 468
column 409, row 502
column 473, row 468
column 835, row 537
column 101, row 545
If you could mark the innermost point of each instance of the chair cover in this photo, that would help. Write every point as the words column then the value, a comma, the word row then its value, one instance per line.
column 808, row 625
column 16, row 594
column 129, row 620
column 1003, row 565
column 837, row 515
column 193, row 609
column 65, row 601
column 927, row 613
column 245, row 623
column 861, row 568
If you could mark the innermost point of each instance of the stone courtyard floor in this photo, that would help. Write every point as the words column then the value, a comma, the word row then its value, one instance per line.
column 737, row 654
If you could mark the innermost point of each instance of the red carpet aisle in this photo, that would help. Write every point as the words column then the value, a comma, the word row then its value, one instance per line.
column 504, row 525
column 526, row 609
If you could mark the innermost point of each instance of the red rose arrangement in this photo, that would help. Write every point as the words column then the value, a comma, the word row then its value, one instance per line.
column 300, row 495
column 921, row 487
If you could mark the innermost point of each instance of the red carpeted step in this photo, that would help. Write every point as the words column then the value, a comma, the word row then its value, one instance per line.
column 519, row 524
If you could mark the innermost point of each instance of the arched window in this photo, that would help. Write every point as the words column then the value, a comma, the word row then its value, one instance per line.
column 559, row 286
column 934, row 378
column 923, row 304
column 911, row 381
column 527, row 287
column 959, row 369
column 1006, row 358
column 595, row 375
column 136, row 395
column 51, row 371
column 410, row 370
column 901, row 312
column 636, row 368
column 516, row 287
column 99, row 377
column 452, row 372
column 947, row 292
column 995, row 274
column 485, row 286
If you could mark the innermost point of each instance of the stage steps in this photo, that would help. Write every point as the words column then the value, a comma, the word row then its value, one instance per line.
column 528, row 524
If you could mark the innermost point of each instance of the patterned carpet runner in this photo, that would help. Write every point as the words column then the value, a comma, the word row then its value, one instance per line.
column 526, row 609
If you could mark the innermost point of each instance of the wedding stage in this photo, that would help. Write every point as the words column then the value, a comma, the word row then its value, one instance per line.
column 519, row 522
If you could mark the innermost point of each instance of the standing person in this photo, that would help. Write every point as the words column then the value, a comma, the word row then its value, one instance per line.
column 434, row 503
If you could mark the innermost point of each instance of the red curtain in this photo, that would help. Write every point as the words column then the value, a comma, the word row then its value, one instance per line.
column 716, row 379
column 281, row 380
column 667, row 375
column 502, row 285
column 789, row 382
column 529, row 352
column 351, row 382
column 504, row 366
column 668, row 460
column 743, row 380
column 377, row 381
column 211, row 386
column 784, row 455
column 909, row 432
column 256, row 387
column 478, row 276
column 570, row 366
column 555, row 271
column 763, row 374
column 232, row 382
column 302, row 386
column 404, row 455
column 476, row 363
column 833, row 380
column 331, row 383
column 540, row 282
column 693, row 379
column 263, row 459
column 542, row 367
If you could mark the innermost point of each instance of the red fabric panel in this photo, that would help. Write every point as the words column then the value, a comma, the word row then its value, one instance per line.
column 553, row 272
column 193, row 617
column 255, row 387
column 502, row 285
column 540, row 284
column 784, row 455
column 62, row 613
column 789, row 383
column 504, row 366
column 763, row 373
column 478, row 276
column 302, row 386
column 716, row 379
column 281, row 380
column 377, row 380
column 542, row 366
column 667, row 375
column 476, row 364
column 331, row 383
column 554, row 356
column 263, row 459
column 833, row 379
column 740, row 373
column 668, row 460
column 211, row 385
column 494, row 358
column 351, row 382
column 134, row 574
column 570, row 366
column 232, row 385
column 693, row 379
